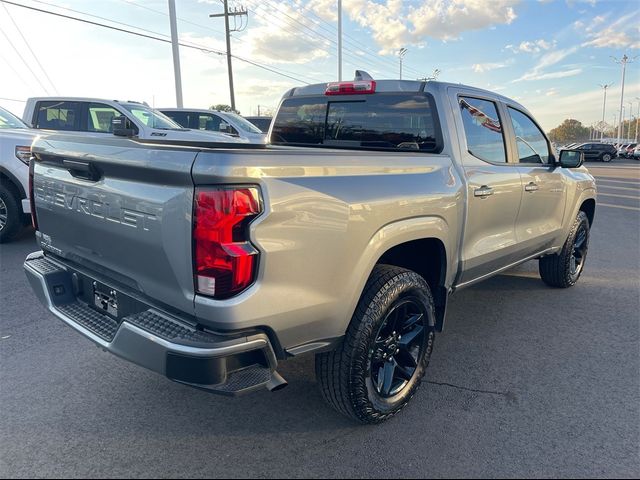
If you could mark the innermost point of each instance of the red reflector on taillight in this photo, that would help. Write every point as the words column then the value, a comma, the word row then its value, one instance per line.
column 351, row 88
column 225, row 262
column 32, row 194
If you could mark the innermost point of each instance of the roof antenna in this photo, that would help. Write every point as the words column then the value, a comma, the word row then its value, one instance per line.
column 362, row 75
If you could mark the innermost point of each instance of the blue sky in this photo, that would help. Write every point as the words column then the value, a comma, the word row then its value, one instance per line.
column 550, row 54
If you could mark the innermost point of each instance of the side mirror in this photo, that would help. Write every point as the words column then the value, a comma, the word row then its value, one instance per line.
column 571, row 158
column 121, row 126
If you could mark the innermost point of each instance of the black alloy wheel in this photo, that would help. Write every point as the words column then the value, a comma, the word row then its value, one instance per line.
column 398, row 347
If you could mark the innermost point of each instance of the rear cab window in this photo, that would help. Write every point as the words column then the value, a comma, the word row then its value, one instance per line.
column 58, row 115
column 382, row 121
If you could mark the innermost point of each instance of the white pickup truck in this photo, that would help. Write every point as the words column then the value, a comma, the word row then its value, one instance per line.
column 99, row 117
column 15, row 150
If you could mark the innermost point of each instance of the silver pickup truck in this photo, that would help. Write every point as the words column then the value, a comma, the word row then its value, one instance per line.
column 343, row 238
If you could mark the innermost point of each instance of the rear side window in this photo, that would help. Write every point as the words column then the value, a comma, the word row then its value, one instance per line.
column 381, row 121
column 181, row 118
column 483, row 130
column 531, row 142
column 209, row 122
column 54, row 115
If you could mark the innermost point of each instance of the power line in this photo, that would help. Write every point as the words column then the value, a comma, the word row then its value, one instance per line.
column 23, row 61
column 291, row 23
column 44, row 71
column 151, row 37
column 348, row 39
column 204, row 27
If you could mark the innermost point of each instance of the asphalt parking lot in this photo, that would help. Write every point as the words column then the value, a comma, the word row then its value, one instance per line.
column 525, row 381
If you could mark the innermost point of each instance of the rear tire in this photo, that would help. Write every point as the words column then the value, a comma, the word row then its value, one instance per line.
column 10, row 215
column 606, row 158
column 375, row 372
column 563, row 269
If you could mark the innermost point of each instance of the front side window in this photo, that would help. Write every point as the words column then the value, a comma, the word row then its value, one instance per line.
column 385, row 121
column 532, row 144
column 243, row 123
column 151, row 118
column 58, row 115
column 99, row 117
column 483, row 130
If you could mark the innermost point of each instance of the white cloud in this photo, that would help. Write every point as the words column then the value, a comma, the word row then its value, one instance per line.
column 486, row 67
column 535, row 46
column 399, row 23
column 548, row 60
column 622, row 33
column 272, row 38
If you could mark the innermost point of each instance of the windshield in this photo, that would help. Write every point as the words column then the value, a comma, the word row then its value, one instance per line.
column 243, row 123
column 9, row 120
column 150, row 117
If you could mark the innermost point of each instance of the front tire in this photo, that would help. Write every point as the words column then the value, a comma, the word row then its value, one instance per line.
column 10, row 214
column 563, row 269
column 379, row 366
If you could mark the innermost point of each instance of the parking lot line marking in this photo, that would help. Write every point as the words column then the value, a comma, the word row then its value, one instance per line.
column 618, row 206
column 620, row 188
column 630, row 182
column 618, row 195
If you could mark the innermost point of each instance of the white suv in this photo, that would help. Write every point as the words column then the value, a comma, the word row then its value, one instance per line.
column 15, row 149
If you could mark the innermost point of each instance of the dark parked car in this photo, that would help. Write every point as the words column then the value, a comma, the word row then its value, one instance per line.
column 263, row 123
column 603, row 152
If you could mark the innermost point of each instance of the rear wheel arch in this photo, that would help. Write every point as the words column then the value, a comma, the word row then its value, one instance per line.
column 428, row 258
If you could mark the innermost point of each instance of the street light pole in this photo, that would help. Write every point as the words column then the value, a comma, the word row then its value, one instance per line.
column 630, row 117
column 604, row 106
column 625, row 59
column 339, row 40
column 401, row 53
column 176, row 52
column 637, row 118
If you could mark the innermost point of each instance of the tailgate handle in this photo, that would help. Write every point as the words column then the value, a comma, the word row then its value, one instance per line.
column 82, row 170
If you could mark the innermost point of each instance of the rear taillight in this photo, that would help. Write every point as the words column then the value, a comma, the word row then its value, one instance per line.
column 225, row 261
column 351, row 88
column 32, row 194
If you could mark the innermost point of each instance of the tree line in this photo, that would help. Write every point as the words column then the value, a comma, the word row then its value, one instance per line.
column 571, row 131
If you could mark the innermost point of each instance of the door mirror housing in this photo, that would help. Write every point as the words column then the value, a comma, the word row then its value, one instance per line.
column 570, row 158
column 121, row 126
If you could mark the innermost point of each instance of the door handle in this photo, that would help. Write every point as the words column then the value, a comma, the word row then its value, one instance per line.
column 531, row 187
column 483, row 191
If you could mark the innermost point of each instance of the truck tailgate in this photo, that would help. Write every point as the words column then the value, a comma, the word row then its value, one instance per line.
column 121, row 209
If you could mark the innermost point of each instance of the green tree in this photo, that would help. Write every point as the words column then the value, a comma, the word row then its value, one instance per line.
column 569, row 131
column 221, row 107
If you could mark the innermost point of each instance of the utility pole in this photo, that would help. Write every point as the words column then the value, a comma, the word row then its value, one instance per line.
column 339, row 40
column 236, row 12
column 176, row 52
column 401, row 53
column 604, row 106
column 625, row 59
